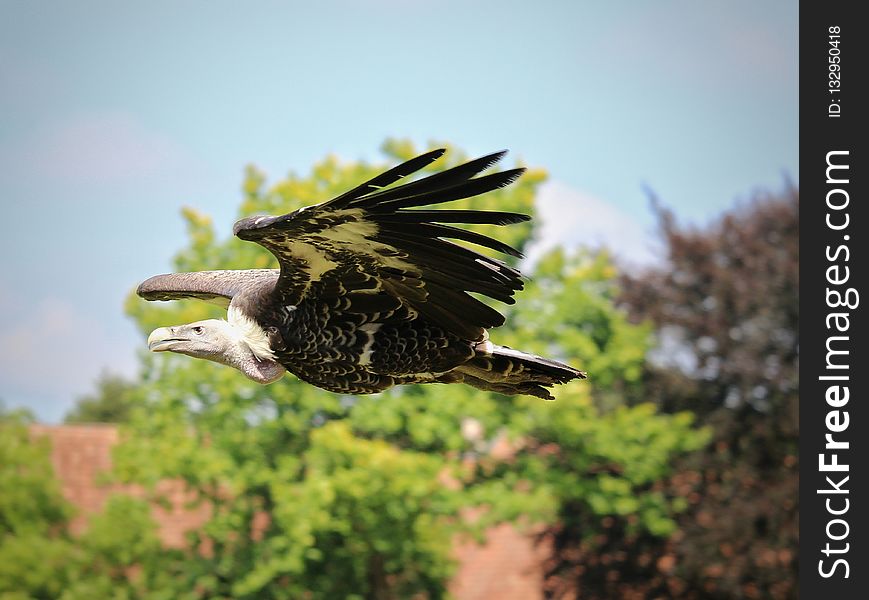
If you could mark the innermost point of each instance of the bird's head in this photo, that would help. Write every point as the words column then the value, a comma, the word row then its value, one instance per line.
column 202, row 339
column 218, row 341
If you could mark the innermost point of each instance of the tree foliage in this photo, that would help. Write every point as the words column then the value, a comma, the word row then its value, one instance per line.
column 31, row 500
column 110, row 403
column 318, row 495
column 39, row 559
column 726, row 310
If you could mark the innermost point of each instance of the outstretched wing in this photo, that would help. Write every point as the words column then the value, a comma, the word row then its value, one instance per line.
column 215, row 287
column 367, row 248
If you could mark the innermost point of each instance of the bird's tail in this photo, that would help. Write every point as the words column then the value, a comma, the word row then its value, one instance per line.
column 507, row 371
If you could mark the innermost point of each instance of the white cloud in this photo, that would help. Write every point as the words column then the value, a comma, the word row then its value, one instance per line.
column 100, row 148
column 573, row 218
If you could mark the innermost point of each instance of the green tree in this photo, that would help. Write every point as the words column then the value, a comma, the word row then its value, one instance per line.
column 31, row 500
column 110, row 403
column 39, row 559
column 318, row 495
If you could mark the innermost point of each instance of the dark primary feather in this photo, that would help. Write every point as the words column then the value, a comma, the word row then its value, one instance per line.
column 484, row 217
column 393, row 199
column 406, row 252
column 432, row 183
column 433, row 230
column 387, row 178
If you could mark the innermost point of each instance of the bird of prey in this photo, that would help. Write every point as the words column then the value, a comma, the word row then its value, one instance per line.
column 370, row 292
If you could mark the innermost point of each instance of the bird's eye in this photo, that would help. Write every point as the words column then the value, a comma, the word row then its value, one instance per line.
column 198, row 330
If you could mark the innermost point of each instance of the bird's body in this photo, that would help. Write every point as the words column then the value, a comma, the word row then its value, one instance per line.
column 369, row 294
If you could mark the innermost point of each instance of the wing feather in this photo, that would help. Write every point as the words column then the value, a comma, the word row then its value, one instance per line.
column 467, row 189
column 215, row 287
column 433, row 230
column 370, row 248
column 483, row 217
column 432, row 183
column 386, row 178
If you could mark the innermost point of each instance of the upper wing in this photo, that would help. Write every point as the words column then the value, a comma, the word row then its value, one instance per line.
column 215, row 287
column 366, row 249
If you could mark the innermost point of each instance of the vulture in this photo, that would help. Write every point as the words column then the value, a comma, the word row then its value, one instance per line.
column 370, row 293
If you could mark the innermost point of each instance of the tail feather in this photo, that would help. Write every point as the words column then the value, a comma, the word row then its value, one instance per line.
column 507, row 371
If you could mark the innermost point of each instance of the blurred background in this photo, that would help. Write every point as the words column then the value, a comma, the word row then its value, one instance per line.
column 662, row 146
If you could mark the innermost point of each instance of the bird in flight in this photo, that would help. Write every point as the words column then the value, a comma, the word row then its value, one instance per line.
column 370, row 292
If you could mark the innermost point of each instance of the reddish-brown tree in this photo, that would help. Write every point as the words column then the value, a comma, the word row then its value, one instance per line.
column 726, row 308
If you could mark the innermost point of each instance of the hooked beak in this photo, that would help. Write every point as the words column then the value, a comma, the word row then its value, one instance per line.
column 163, row 339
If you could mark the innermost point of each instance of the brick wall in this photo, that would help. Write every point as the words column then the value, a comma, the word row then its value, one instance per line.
column 507, row 567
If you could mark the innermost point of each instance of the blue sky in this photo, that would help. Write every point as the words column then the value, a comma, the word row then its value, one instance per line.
column 114, row 115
